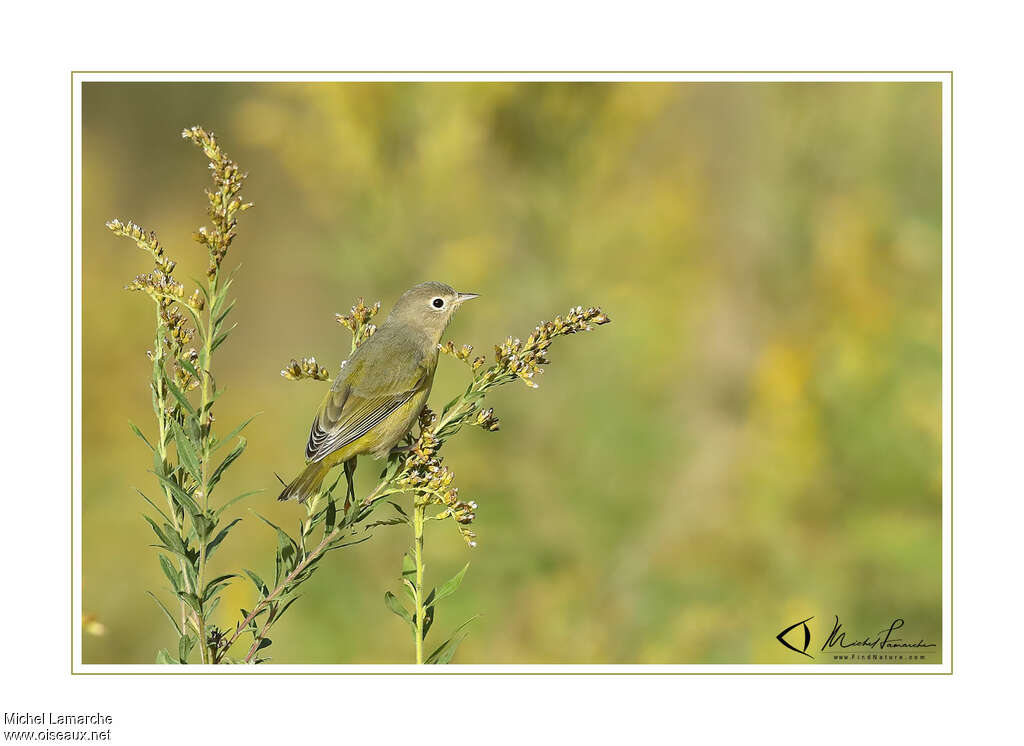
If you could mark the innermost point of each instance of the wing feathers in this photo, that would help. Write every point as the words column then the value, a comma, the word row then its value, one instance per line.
column 325, row 437
column 363, row 400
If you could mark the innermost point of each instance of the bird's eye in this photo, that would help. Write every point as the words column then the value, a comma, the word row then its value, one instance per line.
column 437, row 303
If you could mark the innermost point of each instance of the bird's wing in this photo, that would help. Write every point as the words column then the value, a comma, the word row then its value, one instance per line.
column 349, row 413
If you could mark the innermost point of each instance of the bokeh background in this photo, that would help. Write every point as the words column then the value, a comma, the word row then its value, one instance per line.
column 754, row 439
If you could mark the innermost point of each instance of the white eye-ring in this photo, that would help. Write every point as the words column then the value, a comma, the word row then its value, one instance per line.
column 437, row 303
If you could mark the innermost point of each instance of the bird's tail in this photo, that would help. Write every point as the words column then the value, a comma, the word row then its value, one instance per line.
column 307, row 484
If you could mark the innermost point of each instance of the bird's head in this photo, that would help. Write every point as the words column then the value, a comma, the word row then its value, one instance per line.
column 429, row 306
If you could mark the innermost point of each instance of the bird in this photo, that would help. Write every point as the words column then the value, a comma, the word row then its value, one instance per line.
column 382, row 387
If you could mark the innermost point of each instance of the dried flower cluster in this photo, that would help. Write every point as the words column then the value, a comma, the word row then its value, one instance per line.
column 225, row 201
column 357, row 321
column 423, row 473
column 175, row 330
column 157, row 285
column 485, row 418
column 462, row 353
column 145, row 241
column 515, row 359
column 523, row 359
column 306, row 368
column 186, row 366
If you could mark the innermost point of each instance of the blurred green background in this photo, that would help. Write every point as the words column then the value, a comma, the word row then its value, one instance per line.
column 754, row 439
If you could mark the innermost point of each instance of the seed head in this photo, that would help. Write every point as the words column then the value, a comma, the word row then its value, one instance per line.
column 307, row 367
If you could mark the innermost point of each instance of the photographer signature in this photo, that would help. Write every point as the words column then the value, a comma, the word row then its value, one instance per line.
column 885, row 639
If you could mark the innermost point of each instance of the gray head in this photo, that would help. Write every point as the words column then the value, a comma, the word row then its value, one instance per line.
column 428, row 306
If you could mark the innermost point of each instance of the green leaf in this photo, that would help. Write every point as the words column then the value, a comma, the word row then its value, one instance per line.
column 221, row 535
column 408, row 566
column 332, row 547
column 159, row 467
column 157, row 409
column 233, row 500
column 158, row 531
column 167, row 612
column 251, row 626
column 391, row 468
column 185, row 645
column 271, row 524
column 386, row 522
column 400, row 511
column 193, row 577
column 446, row 650
column 261, row 587
column 169, row 570
column 186, row 451
column 175, row 544
column 191, row 599
column 153, row 505
column 287, row 553
column 164, row 657
column 410, row 590
column 223, row 315
column 141, row 436
column 202, row 526
column 395, row 606
column 169, row 540
column 180, row 496
column 302, row 534
column 215, row 585
column 231, row 436
column 287, row 550
column 452, row 585
column 330, row 514
column 187, row 365
column 220, row 340
column 222, row 292
column 214, row 395
column 284, row 608
column 428, row 614
column 228, row 460
column 182, row 399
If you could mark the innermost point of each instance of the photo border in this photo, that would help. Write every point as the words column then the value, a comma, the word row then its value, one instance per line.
column 944, row 77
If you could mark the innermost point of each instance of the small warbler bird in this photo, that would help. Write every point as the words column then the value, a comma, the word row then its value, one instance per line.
column 382, row 387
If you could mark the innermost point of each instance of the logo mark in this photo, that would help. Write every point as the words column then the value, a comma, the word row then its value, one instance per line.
column 781, row 637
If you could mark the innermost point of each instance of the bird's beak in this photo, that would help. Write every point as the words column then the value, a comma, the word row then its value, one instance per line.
column 463, row 297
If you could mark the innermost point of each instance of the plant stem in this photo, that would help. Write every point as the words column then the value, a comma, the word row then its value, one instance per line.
column 158, row 385
column 419, row 508
column 205, row 433
column 256, row 641
column 240, row 628
column 328, row 539
column 455, row 410
column 463, row 403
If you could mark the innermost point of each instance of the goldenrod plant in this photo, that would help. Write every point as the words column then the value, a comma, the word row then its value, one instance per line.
column 187, row 459
column 188, row 462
